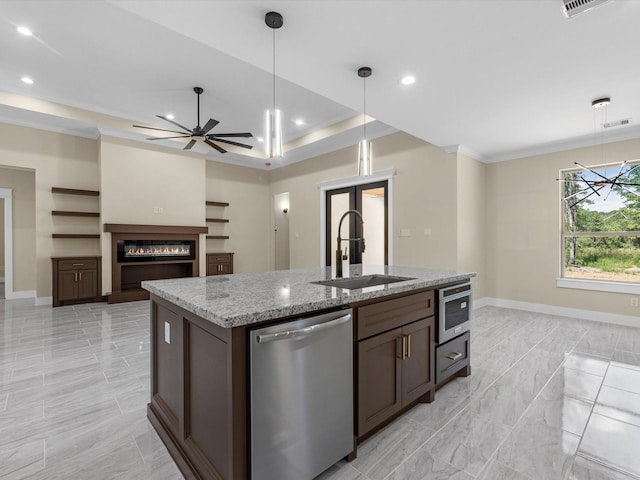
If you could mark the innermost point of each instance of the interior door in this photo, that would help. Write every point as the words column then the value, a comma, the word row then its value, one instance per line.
column 371, row 201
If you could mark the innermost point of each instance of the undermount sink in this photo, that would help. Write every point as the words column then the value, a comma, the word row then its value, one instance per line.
column 363, row 281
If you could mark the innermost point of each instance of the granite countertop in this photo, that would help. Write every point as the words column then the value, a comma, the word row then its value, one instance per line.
column 247, row 298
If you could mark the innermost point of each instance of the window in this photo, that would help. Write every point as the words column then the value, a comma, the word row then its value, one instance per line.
column 601, row 223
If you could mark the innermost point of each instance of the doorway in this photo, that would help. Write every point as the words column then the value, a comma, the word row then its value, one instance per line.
column 2, row 249
column 371, row 200
column 6, row 204
column 281, row 230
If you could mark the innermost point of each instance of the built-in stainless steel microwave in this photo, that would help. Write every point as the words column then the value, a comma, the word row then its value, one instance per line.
column 454, row 311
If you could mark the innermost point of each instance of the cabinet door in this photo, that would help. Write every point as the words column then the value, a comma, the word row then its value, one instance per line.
column 379, row 379
column 418, row 364
column 87, row 283
column 67, row 286
column 225, row 269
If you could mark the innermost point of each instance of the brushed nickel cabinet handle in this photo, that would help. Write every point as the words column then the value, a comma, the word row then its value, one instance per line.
column 80, row 275
column 75, row 276
column 454, row 355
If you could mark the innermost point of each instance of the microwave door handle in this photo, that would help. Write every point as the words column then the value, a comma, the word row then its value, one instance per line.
column 301, row 332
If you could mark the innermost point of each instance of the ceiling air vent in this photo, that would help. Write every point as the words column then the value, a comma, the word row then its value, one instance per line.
column 617, row 123
column 575, row 7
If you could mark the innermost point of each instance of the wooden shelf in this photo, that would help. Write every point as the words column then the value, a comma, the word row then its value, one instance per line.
column 217, row 204
column 217, row 220
column 75, row 191
column 64, row 213
column 74, row 235
column 219, row 237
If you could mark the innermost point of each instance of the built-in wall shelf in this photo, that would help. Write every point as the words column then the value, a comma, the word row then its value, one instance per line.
column 75, row 235
column 65, row 213
column 75, row 213
column 75, row 191
column 217, row 219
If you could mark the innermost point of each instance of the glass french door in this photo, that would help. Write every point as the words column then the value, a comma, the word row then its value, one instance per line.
column 371, row 201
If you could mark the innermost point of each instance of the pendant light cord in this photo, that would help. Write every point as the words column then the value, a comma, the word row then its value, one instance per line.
column 274, row 72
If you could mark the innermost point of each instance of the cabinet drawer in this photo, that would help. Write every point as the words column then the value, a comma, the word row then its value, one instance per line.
column 218, row 257
column 78, row 264
column 383, row 316
column 452, row 356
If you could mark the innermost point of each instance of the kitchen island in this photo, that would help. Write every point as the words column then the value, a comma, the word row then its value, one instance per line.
column 199, row 353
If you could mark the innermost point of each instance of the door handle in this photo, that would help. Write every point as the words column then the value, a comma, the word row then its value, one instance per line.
column 75, row 276
column 408, row 346
column 454, row 355
column 80, row 275
column 272, row 337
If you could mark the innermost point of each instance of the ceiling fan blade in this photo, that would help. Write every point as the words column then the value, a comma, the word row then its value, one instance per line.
column 190, row 144
column 231, row 143
column 211, row 144
column 175, row 123
column 244, row 135
column 165, row 138
column 160, row 129
column 209, row 125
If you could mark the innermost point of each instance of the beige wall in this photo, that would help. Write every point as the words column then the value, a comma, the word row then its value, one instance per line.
column 58, row 160
column 249, row 212
column 424, row 196
column 472, row 221
column 139, row 179
column 523, row 237
column 1, row 236
column 22, row 182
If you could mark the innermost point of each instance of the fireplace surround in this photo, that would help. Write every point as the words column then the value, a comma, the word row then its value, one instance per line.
column 150, row 252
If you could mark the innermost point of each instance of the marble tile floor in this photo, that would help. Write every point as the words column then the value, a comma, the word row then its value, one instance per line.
column 549, row 398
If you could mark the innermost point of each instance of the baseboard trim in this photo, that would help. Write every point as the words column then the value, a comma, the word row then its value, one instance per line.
column 20, row 295
column 605, row 317
column 44, row 301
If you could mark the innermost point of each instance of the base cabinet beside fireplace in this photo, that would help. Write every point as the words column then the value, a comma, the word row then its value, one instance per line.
column 76, row 280
column 219, row 263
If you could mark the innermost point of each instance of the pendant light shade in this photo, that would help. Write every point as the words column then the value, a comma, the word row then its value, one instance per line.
column 365, row 162
column 273, row 121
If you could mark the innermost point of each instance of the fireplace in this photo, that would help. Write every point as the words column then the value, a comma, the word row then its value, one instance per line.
column 150, row 252
column 155, row 250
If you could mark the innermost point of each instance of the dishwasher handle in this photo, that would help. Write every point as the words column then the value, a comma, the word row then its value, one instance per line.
column 290, row 334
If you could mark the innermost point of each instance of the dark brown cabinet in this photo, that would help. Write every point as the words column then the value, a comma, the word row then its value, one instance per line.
column 76, row 280
column 395, row 367
column 219, row 263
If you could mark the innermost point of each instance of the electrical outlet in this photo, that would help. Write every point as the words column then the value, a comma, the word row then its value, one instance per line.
column 155, row 209
column 634, row 301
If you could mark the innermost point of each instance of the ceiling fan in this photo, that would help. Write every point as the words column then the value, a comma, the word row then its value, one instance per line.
column 201, row 132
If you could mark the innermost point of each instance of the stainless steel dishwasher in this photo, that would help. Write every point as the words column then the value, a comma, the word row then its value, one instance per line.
column 301, row 396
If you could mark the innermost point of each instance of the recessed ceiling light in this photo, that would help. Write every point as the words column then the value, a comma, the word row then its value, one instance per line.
column 27, row 80
column 170, row 116
column 299, row 122
column 24, row 30
column 260, row 139
column 408, row 80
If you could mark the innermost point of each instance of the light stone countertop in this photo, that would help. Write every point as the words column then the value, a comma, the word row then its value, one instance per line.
column 247, row 298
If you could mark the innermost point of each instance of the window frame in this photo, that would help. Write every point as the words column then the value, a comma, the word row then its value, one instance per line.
column 616, row 286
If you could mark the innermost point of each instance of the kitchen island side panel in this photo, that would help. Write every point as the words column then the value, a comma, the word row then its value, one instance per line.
column 206, row 432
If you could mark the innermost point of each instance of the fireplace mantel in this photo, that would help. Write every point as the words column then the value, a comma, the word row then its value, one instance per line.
column 126, row 277
column 131, row 228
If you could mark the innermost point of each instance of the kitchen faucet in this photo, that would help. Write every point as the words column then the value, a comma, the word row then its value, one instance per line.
column 339, row 256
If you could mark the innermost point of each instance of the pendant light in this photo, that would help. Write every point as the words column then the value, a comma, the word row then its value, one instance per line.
column 273, row 134
column 365, row 164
